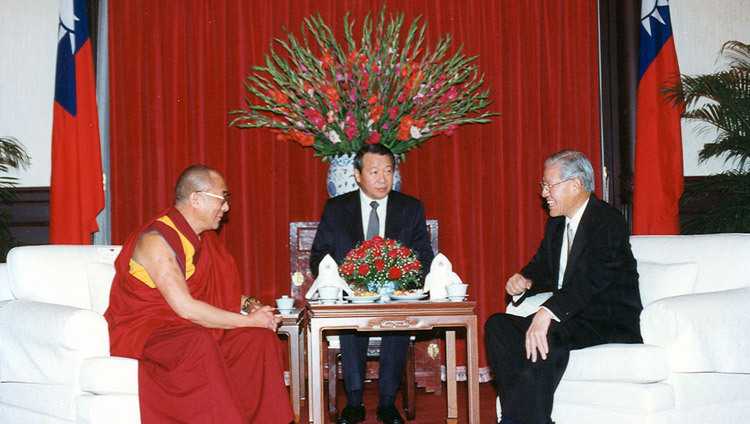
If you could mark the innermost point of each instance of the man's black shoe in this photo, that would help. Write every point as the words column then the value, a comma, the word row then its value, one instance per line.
column 352, row 415
column 389, row 415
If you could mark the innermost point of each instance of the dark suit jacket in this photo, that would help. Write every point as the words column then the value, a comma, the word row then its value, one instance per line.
column 600, row 285
column 340, row 228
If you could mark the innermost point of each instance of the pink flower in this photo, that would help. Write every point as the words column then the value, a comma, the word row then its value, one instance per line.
column 393, row 112
column 350, row 132
column 374, row 138
column 449, row 131
column 315, row 117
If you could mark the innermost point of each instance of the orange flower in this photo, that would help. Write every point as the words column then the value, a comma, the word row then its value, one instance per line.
column 414, row 80
column 376, row 112
column 331, row 93
column 372, row 100
column 404, row 127
column 327, row 59
column 278, row 96
column 304, row 139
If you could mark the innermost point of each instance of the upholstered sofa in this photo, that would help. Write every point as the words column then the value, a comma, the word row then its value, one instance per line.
column 694, row 365
column 55, row 365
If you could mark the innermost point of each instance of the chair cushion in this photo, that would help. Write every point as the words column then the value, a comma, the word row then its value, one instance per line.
column 52, row 400
column 111, row 409
column 616, row 395
column 722, row 258
column 618, row 362
column 109, row 375
column 60, row 274
column 659, row 280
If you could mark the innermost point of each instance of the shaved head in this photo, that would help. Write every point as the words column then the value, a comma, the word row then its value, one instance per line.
column 194, row 178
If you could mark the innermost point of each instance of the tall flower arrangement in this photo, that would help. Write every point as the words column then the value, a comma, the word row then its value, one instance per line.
column 337, row 98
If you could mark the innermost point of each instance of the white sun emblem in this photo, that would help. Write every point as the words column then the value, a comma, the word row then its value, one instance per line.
column 649, row 10
column 67, row 23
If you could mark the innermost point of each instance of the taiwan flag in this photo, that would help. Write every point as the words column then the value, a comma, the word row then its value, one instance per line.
column 76, row 186
column 658, row 179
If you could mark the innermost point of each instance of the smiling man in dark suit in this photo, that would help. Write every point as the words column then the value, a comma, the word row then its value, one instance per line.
column 586, row 261
column 348, row 220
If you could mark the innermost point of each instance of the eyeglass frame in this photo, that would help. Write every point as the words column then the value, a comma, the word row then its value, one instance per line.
column 224, row 198
column 548, row 187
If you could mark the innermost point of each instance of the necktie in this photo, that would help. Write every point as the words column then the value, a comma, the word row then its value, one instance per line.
column 373, row 225
column 570, row 238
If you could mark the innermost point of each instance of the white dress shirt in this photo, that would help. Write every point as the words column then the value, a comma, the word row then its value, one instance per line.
column 366, row 209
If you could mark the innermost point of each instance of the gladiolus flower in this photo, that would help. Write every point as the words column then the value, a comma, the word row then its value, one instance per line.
column 374, row 138
column 350, row 132
column 331, row 93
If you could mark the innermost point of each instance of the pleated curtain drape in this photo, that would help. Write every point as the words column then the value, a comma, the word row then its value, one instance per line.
column 176, row 70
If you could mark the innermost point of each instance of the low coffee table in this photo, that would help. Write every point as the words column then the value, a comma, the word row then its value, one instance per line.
column 396, row 316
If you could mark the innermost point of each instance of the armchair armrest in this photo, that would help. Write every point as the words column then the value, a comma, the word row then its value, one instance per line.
column 46, row 343
column 702, row 332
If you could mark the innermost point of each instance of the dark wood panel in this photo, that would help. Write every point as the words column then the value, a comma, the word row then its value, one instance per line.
column 698, row 205
column 30, row 224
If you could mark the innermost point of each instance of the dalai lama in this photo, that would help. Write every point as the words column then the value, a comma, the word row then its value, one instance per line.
column 175, row 306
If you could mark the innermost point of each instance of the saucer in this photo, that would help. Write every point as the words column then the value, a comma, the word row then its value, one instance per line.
column 285, row 311
column 457, row 298
column 329, row 301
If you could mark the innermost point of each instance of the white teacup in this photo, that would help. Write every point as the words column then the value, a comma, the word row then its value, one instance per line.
column 456, row 290
column 328, row 294
column 285, row 304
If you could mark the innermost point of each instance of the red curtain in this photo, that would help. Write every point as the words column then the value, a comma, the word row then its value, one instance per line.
column 176, row 70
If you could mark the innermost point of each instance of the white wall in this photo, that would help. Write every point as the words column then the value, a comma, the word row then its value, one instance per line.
column 700, row 28
column 28, row 38
column 28, row 51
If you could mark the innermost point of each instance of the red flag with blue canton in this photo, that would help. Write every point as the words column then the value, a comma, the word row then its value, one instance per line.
column 658, row 179
column 76, row 186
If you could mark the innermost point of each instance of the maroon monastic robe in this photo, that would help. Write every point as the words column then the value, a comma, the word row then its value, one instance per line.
column 186, row 372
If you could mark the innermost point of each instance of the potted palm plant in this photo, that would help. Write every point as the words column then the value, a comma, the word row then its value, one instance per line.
column 721, row 102
column 12, row 155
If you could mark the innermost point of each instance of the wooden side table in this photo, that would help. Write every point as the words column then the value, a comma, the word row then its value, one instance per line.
column 292, row 325
column 396, row 316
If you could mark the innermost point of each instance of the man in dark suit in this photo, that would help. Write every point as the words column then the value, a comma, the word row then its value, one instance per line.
column 586, row 261
column 348, row 220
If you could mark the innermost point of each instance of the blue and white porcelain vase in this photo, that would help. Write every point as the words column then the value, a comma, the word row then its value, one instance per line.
column 341, row 180
column 385, row 290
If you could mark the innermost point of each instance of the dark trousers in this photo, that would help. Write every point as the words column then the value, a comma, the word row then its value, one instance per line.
column 393, row 349
column 527, row 388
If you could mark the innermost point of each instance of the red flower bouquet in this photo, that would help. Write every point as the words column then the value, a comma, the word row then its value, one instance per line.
column 381, row 263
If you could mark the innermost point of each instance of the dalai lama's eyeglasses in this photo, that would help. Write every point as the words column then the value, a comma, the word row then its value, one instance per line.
column 548, row 187
column 224, row 198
